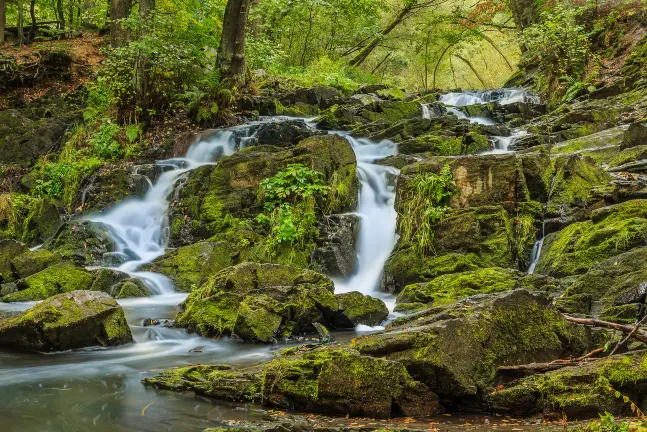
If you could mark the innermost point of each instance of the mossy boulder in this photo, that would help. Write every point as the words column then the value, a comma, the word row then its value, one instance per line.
column 636, row 135
column 579, row 392
column 610, row 231
column 282, row 134
column 325, row 380
column 335, row 252
column 449, row 288
column 615, row 288
column 31, row 262
column 77, row 319
column 81, row 242
column 357, row 308
column 456, row 349
column 463, row 240
column 216, row 198
column 9, row 249
column 60, row 278
column 27, row 219
column 190, row 266
column 130, row 288
column 258, row 302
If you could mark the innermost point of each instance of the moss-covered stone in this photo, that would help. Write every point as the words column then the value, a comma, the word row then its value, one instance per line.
column 256, row 301
column 83, row 243
column 9, row 249
column 452, row 287
column 220, row 197
column 77, row 319
column 456, row 349
column 581, row 391
column 325, row 380
column 357, row 308
column 190, row 266
column 31, row 262
column 130, row 288
column 60, row 278
column 611, row 231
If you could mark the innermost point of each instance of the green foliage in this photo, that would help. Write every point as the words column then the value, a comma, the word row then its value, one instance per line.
column 560, row 45
column 426, row 205
column 608, row 423
column 104, row 143
column 289, row 204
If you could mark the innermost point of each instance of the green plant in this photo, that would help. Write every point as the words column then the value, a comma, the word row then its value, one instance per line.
column 289, row 204
column 103, row 142
column 425, row 205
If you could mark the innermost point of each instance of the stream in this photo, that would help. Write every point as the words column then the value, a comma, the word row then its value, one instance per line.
column 99, row 389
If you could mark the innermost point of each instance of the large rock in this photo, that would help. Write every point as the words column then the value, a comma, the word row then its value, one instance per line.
column 190, row 266
column 356, row 308
column 610, row 231
column 635, row 136
column 325, row 380
column 77, row 319
column 215, row 197
column 262, row 302
column 579, row 392
column 81, row 242
column 60, row 278
column 9, row 249
column 335, row 253
column 32, row 262
column 282, row 134
column 455, row 350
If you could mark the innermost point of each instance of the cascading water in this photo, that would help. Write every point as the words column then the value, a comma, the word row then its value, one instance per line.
column 376, row 210
column 502, row 143
column 502, row 96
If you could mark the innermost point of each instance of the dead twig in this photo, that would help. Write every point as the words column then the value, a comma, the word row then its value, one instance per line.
column 634, row 333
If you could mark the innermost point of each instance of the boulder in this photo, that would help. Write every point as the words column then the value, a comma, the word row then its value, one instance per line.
column 611, row 231
column 59, row 278
column 27, row 219
column 31, row 262
column 81, row 242
column 335, row 252
column 190, row 266
column 356, row 308
column 215, row 197
column 130, row 288
column 324, row 380
column 282, row 134
column 262, row 302
column 579, row 392
column 456, row 350
column 111, row 185
column 449, row 288
column 9, row 249
column 635, row 136
column 73, row 320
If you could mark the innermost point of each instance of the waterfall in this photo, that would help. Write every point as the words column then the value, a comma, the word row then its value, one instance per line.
column 503, row 96
column 535, row 255
column 376, row 210
column 139, row 227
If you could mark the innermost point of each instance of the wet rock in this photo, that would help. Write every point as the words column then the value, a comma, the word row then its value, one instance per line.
column 356, row 308
column 190, row 266
column 635, row 136
column 130, row 288
column 617, row 281
column 29, row 220
column 455, row 350
column 106, row 279
column 324, row 335
column 31, row 262
column 578, row 392
column 59, row 278
column 324, row 380
column 398, row 161
column 9, row 249
column 230, row 188
column 580, row 245
column 449, row 288
column 77, row 319
column 262, row 302
column 81, row 242
column 282, row 134
column 335, row 253
column 111, row 185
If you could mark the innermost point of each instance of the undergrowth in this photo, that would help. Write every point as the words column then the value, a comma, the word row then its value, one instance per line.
column 426, row 204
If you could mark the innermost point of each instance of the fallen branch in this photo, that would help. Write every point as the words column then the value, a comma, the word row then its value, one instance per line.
column 634, row 333
column 626, row 338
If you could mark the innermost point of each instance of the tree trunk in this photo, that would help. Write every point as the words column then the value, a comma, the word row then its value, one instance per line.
column 231, row 53
column 119, row 10
column 142, row 65
column 368, row 49
column 61, row 15
column 32, row 15
column 3, row 20
column 21, row 23
column 469, row 64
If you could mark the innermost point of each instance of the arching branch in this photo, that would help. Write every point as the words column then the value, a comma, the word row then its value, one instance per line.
column 469, row 64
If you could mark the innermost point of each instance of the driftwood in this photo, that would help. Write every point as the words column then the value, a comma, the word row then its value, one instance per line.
column 635, row 333
column 535, row 368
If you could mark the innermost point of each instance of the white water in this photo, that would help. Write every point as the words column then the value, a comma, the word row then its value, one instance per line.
column 535, row 255
column 376, row 210
column 500, row 96
column 502, row 143
column 426, row 114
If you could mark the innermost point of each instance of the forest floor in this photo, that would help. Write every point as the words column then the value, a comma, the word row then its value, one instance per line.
column 86, row 55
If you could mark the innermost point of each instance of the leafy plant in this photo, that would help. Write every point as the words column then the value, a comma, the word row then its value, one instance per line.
column 289, row 203
column 104, row 143
column 426, row 204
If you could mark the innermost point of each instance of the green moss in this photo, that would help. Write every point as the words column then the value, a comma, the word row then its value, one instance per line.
column 32, row 262
column 54, row 280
